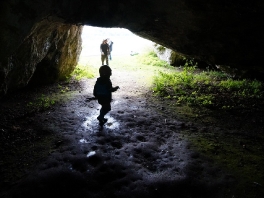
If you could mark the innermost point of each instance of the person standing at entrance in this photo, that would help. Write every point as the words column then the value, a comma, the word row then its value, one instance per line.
column 104, row 48
column 110, row 43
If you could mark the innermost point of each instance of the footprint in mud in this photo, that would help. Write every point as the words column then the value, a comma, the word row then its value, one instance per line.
column 116, row 144
column 141, row 138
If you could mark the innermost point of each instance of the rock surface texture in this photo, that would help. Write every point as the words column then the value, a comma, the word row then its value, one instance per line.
column 168, row 55
column 218, row 32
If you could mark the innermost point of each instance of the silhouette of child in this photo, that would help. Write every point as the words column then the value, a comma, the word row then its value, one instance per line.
column 103, row 92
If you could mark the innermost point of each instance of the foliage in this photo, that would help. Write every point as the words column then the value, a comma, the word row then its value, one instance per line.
column 150, row 58
column 41, row 103
column 83, row 71
column 63, row 89
column 207, row 88
column 161, row 48
column 242, row 88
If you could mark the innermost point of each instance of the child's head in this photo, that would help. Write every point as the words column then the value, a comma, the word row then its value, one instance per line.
column 105, row 71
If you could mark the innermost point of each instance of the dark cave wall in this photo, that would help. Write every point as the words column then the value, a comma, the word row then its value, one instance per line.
column 63, row 48
column 35, row 46
column 218, row 32
column 48, row 54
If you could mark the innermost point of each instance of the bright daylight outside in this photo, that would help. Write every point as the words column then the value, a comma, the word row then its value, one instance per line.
column 130, row 53
column 124, row 42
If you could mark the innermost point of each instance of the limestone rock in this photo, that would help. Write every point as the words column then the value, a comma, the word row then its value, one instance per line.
column 168, row 55
column 62, row 55
column 49, row 53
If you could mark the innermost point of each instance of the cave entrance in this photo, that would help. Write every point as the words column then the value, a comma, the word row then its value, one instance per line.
column 124, row 42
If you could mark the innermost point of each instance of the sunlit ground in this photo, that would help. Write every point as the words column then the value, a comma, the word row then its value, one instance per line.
column 124, row 42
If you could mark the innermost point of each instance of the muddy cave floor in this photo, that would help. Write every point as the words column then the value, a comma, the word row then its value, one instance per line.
column 146, row 149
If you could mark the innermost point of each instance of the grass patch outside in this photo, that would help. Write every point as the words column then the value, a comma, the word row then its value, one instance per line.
column 145, row 64
column 185, row 86
column 83, row 71
column 151, row 58
column 208, row 88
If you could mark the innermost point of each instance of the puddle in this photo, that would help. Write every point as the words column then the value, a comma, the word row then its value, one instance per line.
column 91, row 123
column 83, row 141
column 112, row 123
column 115, row 102
column 91, row 153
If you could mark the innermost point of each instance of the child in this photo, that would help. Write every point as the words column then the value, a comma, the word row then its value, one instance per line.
column 103, row 92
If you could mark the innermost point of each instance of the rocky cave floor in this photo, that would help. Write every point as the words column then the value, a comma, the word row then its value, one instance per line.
column 146, row 149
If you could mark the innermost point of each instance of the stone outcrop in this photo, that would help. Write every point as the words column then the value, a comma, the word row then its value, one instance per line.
column 168, row 55
column 61, row 54
column 218, row 32
column 49, row 53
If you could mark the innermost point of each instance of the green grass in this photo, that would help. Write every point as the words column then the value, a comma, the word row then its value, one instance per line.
column 150, row 58
column 242, row 88
column 186, row 85
column 207, row 88
column 41, row 103
column 83, row 71
column 145, row 65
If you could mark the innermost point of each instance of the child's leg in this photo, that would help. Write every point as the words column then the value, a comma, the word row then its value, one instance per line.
column 106, row 107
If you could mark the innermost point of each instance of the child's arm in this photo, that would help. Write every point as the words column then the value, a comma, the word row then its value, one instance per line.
column 115, row 88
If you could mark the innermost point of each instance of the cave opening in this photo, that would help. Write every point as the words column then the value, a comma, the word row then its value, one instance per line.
column 125, row 43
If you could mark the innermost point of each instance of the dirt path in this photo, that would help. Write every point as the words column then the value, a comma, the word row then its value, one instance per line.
column 140, row 152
